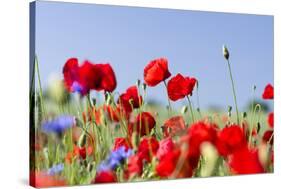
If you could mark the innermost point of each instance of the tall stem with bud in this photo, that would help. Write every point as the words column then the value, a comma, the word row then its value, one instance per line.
column 226, row 56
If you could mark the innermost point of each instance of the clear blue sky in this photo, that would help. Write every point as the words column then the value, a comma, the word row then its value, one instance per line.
column 128, row 38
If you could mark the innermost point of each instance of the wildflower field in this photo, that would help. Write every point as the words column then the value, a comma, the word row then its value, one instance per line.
column 77, row 139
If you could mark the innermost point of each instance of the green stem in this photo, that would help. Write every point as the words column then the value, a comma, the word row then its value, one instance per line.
column 258, row 106
column 191, row 109
column 169, row 102
column 233, row 90
column 197, row 97
column 89, row 101
column 40, row 86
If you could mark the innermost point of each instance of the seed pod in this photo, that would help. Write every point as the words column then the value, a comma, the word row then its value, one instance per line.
column 225, row 52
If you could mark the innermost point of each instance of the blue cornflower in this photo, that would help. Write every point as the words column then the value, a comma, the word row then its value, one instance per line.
column 76, row 87
column 115, row 159
column 55, row 169
column 59, row 124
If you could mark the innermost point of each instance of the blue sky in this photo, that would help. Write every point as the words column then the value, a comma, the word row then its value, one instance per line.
column 129, row 37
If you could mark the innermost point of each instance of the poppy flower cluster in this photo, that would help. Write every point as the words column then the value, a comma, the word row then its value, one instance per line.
column 268, row 94
column 178, row 86
column 124, row 138
column 130, row 99
column 88, row 76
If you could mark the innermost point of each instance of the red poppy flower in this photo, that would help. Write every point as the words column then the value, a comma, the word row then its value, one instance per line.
column 168, row 163
column 130, row 99
column 147, row 148
column 178, row 87
column 41, row 179
column 113, row 113
column 118, row 142
column 268, row 92
column 245, row 161
column 93, row 114
column 174, row 126
column 270, row 119
column 105, row 177
column 144, row 123
column 135, row 166
column 156, row 71
column 88, row 76
column 268, row 137
column 108, row 79
column 198, row 133
column 78, row 152
column 69, row 158
column 83, row 151
column 165, row 146
column 230, row 139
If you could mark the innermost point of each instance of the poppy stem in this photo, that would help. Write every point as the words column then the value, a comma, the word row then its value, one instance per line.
column 234, row 93
column 89, row 101
column 197, row 97
column 256, row 110
column 169, row 102
column 191, row 109
column 40, row 86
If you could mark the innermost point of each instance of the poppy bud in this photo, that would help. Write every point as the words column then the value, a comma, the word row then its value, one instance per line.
column 108, row 99
column 144, row 86
column 184, row 109
column 106, row 96
column 255, row 87
column 78, row 122
column 82, row 140
column 94, row 101
column 258, row 127
column 229, row 109
column 225, row 52
column 244, row 115
column 131, row 101
column 138, row 82
column 90, row 167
